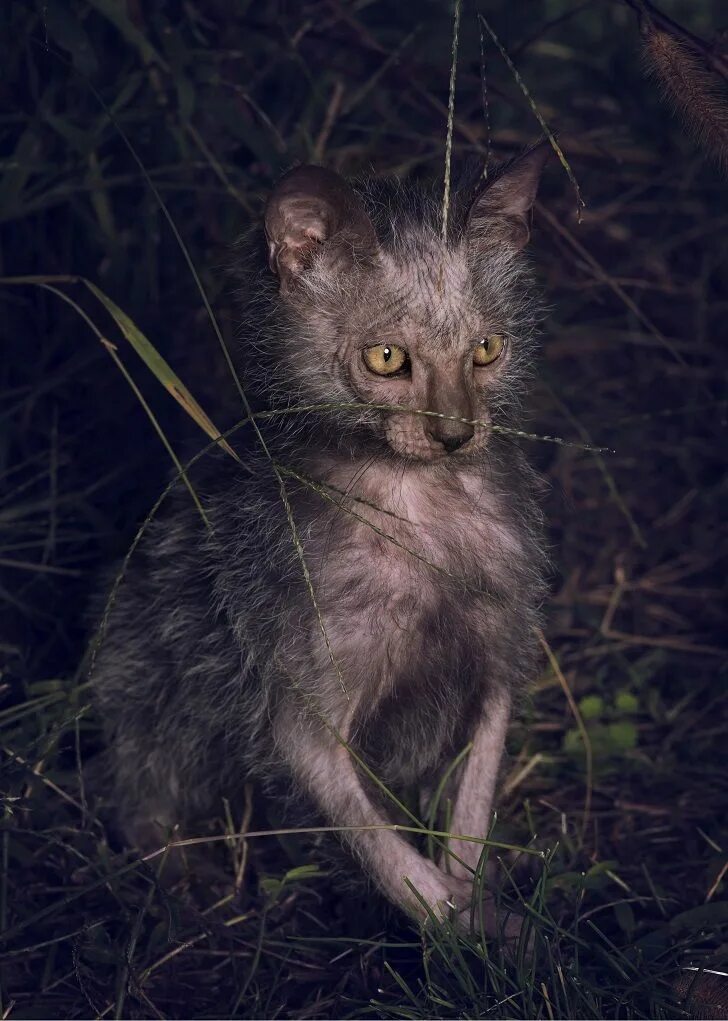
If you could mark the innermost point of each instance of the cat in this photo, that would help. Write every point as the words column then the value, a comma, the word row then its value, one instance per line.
column 366, row 599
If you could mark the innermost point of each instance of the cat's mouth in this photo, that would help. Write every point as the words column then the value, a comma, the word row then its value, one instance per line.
column 434, row 444
column 462, row 455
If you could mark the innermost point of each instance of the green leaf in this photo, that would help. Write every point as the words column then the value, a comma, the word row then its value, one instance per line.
column 572, row 742
column 272, row 885
column 591, row 706
column 160, row 367
column 626, row 702
column 602, row 867
column 301, row 872
column 622, row 736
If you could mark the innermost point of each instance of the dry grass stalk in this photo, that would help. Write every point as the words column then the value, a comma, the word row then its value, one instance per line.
column 691, row 89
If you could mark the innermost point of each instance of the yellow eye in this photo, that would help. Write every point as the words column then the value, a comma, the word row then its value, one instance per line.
column 488, row 349
column 385, row 359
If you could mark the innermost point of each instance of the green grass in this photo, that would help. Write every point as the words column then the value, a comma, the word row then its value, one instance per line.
column 616, row 764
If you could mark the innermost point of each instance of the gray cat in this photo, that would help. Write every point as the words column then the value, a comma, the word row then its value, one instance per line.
column 420, row 535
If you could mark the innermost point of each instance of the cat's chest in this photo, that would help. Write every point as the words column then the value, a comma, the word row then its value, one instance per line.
column 410, row 571
column 400, row 541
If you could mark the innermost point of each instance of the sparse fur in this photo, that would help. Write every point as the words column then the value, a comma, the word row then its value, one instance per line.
column 427, row 567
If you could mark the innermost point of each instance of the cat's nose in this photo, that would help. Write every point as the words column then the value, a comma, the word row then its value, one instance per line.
column 452, row 435
column 453, row 443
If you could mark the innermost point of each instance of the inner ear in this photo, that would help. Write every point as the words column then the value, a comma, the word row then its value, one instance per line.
column 309, row 207
column 502, row 207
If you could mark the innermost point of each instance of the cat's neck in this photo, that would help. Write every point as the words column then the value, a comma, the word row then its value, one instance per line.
column 398, row 485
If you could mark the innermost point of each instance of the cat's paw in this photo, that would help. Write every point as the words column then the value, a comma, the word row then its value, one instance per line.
column 487, row 916
column 475, row 912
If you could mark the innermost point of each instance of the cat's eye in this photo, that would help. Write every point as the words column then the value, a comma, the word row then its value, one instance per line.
column 386, row 359
column 488, row 349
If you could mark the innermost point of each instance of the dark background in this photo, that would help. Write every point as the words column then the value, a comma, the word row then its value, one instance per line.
column 108, row 109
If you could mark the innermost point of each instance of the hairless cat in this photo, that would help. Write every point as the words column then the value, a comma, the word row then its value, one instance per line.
column 395, row 624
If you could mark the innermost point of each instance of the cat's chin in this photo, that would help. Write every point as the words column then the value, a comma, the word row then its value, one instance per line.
column 423, row 449
column 437, row 459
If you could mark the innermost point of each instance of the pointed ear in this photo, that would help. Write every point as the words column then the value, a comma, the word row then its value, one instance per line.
column 309, row 207
column 504, row 204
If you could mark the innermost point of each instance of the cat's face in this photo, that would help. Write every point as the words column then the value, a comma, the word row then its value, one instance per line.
column 414, row 331
column 410, row 322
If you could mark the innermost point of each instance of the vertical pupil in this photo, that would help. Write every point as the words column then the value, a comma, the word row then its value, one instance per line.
column 486, row 344
column 387, row 353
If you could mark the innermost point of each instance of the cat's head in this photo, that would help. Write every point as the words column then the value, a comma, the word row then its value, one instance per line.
column 382, row 310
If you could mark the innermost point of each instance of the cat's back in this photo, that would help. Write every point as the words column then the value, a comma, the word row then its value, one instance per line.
column 165, row 626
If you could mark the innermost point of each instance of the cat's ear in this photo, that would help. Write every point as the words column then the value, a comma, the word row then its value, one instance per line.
column 503, row 205
column 309, row 207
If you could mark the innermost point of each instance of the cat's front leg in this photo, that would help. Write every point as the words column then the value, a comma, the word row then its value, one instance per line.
column 472, row 816
column 323, row 765
column 476, row 790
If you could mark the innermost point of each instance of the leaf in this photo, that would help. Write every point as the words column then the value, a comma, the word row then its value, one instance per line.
column 626, row 702
column 596, row 878
column 603, row 866
column 301, row 872
column 273, row 886
column 161, row 368
column 706, row 916
column 622, row 736
column 572, row 742
column 625, row 917
column 566, row 881
column 591, row 706
column 654, row 944
column 270, row 885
